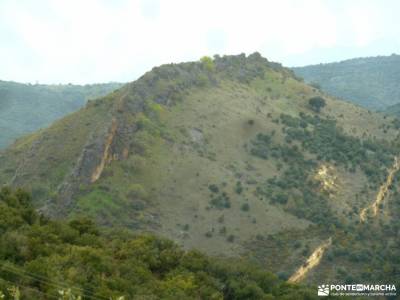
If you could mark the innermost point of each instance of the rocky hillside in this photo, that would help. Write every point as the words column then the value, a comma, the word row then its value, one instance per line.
column 25, row 108
column 233, row 156
column 371, row 82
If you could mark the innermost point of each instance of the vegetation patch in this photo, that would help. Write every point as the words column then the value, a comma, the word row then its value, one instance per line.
column 41, row 259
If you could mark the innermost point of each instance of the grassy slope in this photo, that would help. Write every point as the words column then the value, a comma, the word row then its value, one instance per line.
column 202, row 142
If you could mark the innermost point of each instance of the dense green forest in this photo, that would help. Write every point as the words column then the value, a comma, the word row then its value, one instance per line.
column 46, row 259
column 25, row 108
column 371, row 82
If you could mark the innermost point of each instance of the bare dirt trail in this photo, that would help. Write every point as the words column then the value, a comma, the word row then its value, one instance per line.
column 383, row 190
column 313, row 261
column 318, row 253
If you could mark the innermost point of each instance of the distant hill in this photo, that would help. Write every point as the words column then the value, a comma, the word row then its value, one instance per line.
column 232, row 156
column 393, row 110
column 25, row 107
column 371, row 82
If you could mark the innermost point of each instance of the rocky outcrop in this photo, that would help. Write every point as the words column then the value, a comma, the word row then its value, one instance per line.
column 311, row 262
column 382, row 193
column 107, row 154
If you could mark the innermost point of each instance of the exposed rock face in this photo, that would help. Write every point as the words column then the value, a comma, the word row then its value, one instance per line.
column 107, row 155
column 327, row 177
column 112, row 144
column 313, row 261
column 91, row 162
column 382, row 193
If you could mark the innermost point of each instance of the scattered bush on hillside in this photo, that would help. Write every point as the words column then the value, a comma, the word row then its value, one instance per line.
column 231, row 238
column 245, row 207
column 208, row 63
column 295, row 188
column 220, row 201
column 238, row 188
column 316, row 103
column 213, row 188
column 137, row 191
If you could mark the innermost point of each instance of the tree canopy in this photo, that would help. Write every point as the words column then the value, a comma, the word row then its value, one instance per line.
column 46, row 259
column 316, row 103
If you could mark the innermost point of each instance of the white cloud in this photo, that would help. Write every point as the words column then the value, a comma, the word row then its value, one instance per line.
column 98, row 40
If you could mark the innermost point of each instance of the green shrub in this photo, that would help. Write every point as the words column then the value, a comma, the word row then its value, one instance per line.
column 137, row 191
column 231, row 238
column 316, row 103
column 220, row 201
column 208, row 63
column 238, row 188
column 245, row 207
column 213, row 188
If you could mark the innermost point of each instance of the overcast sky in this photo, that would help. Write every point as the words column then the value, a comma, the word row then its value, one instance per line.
column 86, row 41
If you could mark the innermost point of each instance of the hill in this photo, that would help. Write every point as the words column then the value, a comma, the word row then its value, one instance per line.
column 25, row 108
column 233, row 156
column 371, row 82
column 393, row 110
